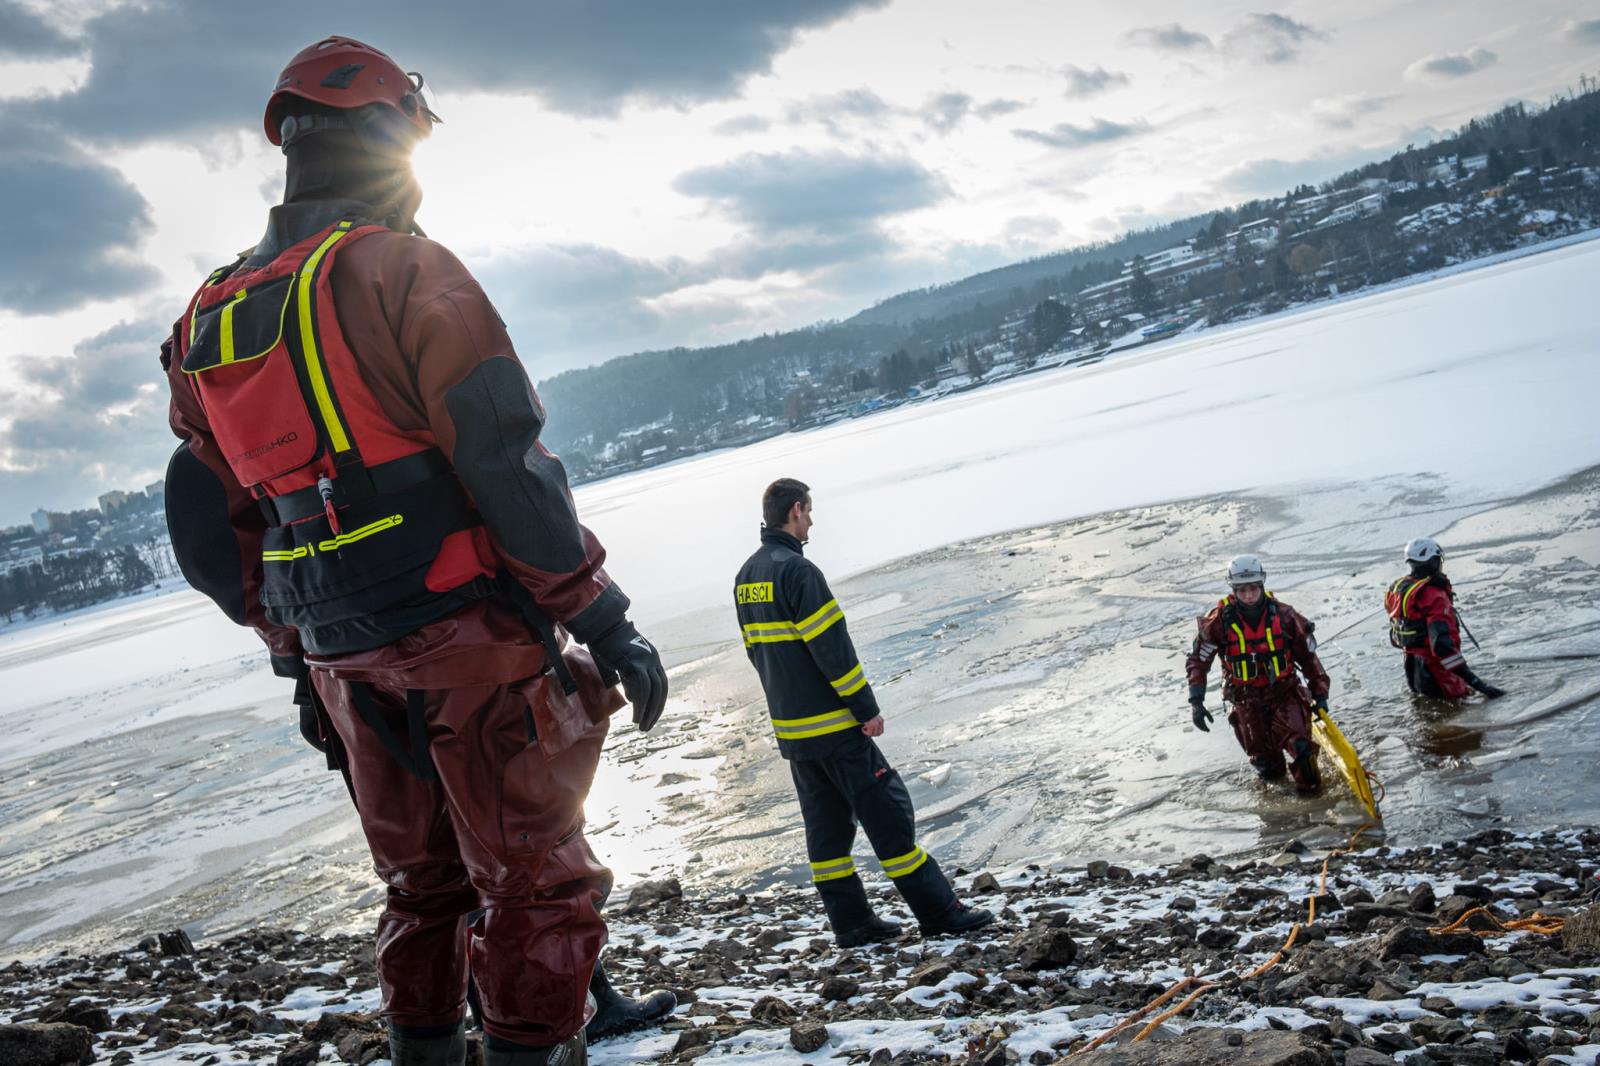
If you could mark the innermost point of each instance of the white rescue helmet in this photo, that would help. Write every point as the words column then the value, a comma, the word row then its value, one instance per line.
column 1246, row 570
column 1423, row 550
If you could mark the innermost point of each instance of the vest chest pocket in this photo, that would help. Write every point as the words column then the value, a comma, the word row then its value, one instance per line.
column 240, row 360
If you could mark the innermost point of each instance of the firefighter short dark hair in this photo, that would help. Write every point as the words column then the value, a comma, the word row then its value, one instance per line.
column 780, row 498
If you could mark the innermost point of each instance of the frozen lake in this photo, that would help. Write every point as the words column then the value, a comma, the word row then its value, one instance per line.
column 151, row 774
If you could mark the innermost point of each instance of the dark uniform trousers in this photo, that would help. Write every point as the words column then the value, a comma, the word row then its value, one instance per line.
column 856, row 785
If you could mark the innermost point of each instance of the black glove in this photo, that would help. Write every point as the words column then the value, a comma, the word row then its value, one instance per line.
column 622, row 654
column 1201, row 715
column 1490, row 691
column 1320, row 704
column 305, row 698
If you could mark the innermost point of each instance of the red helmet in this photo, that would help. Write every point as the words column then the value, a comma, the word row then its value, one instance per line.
column 344, row 73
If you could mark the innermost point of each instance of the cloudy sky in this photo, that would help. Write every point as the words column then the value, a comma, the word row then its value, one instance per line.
column 631, row 174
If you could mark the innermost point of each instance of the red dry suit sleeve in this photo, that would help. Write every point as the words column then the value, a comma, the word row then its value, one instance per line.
column 1437, row 610
column 215, row 524
column 1303, row 648
column 1204, row 649
column 483, row 414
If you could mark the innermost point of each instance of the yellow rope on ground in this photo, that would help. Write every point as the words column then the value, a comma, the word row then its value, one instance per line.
column 1185, row 983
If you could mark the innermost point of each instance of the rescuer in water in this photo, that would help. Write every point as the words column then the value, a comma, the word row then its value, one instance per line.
column 1262, row 642
column 1422, row 622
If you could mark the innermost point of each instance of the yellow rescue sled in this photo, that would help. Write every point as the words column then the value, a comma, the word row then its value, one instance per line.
column 1345, row 758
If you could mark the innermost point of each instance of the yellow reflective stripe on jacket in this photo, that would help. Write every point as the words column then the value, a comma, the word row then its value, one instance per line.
column 769, row 632
column 820, row 620
column 227, row 325
column 833, row 869
column 850, row 683
column 904, row 864
column 308, row 342
column 814, row 726
column 333, row 543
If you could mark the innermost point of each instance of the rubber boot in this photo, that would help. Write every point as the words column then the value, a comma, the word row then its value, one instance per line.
column 615, row 1013
column 1267, row 769
column 573, row 1051
column 1307, row 778
column 428, row 1047
column 874, row 931
column 961, row 918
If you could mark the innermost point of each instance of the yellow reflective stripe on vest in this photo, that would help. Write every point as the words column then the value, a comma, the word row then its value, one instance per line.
column 815, row 726
column 769, row 632
column 1242, row 670
column 1276, row 670
column 1405, row 601
column 333, row 543
column 833, row 869
column 850, row 683
column 820, row 620
column 904, row 864
column 308, row 342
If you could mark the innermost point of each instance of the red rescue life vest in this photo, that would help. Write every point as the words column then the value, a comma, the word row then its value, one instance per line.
column 1256, row 656
column 370, row 535
column 1406, row 630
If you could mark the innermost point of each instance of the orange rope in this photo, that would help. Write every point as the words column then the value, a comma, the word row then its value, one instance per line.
column 1311, row 917
column 1544, row 924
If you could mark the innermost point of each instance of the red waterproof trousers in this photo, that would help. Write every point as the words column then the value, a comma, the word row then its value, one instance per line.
column 501, row 828
column 1270, row 722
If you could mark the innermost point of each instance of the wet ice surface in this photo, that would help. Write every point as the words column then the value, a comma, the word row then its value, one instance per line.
column 151, row 775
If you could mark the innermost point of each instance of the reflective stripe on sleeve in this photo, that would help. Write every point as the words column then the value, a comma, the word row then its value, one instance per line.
column 1452, row 661
column 851, row 683
column 814, row 726
column 769, row 632
column 901, row 865
column 833, row 869
column 820, row 620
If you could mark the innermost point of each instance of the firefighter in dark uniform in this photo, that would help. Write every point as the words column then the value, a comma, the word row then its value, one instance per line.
column 361, row 481
column 1423, row 622
column 1262, row 641
column 825, row 716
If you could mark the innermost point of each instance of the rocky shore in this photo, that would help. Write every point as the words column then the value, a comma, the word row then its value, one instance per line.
column 1073, row 952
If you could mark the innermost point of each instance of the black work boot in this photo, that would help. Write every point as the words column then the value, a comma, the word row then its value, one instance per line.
column 874, row 931
column 441, row 1046
column 1267, row 769
column 615, row 1013
column 960, row 918
column 573, row 1051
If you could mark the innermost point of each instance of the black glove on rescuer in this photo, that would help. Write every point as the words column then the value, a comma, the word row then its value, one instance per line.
column 622, row 654
column 1197, row 703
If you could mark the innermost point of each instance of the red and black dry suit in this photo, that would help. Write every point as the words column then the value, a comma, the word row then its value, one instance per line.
column 1269, row 707
column 818, row 698
column 362, row 482
column 1422, row 620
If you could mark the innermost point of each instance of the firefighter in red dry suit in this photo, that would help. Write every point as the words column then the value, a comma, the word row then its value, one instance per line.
column 825, row 716
column 1422, row 621
column 1262, row 640
column 362, row 482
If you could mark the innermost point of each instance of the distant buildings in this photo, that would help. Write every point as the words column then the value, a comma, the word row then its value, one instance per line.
column 113, row 501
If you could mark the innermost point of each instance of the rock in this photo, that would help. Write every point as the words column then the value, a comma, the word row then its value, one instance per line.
column 175, row 943
column 1182, row 903
column 839, row 988
column 45, row 1044
column 299, row 1053
column 93, row 1018
column 1438, row 1030
column 929, row 974
column 985, row 885
column 698, row 1037
column 770, row 938
column 1422, row 898
column 808, row 1036
column 1365, row 1056
column 772, row 1011
column 1218, row 937
column 1118, row 873
column 1476, row 892
column 1205, row 1046
column 1098, row 869
column 1044, row 948
column 647, row 894
column 1581, row 936
column 1248, row 897
column 1415, row 940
